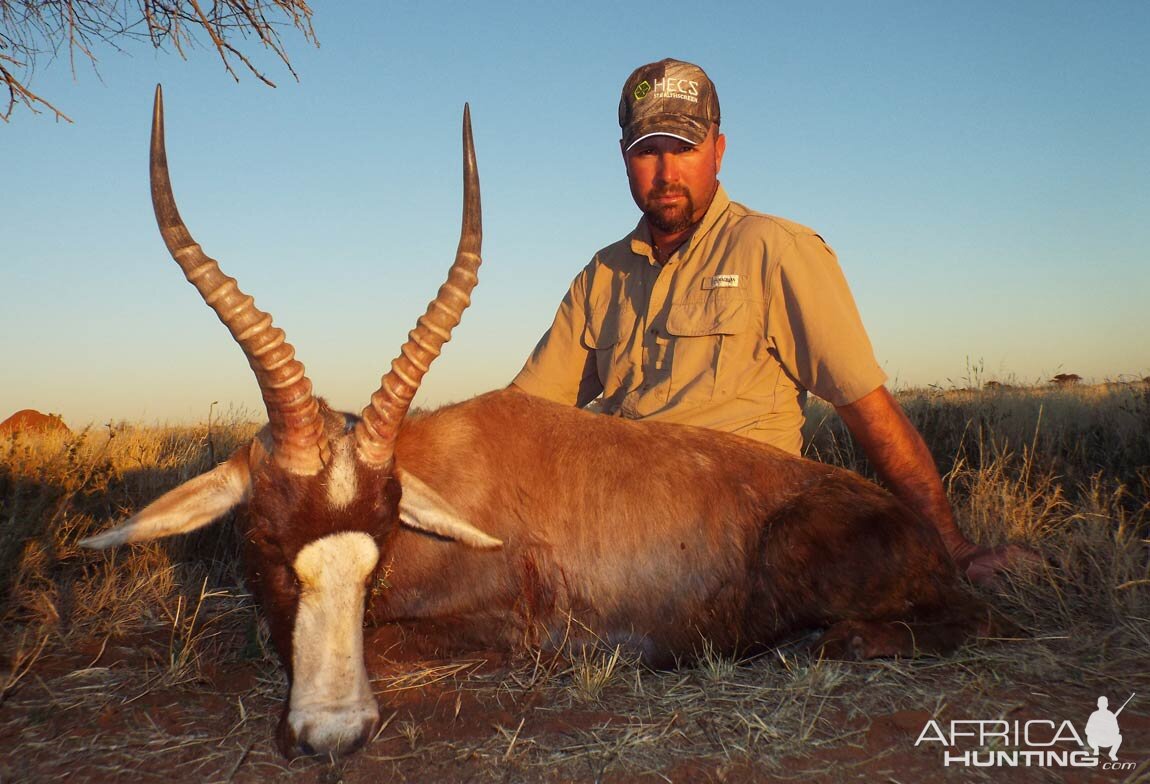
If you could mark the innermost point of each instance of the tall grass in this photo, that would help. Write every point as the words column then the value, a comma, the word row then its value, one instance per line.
column 57, row 489
column 1065, row 469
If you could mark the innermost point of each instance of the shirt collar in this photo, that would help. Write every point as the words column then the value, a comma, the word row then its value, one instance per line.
column 642, row 245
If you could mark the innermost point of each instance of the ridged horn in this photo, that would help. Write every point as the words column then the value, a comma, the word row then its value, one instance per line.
column 379, row 426
column 293, row 411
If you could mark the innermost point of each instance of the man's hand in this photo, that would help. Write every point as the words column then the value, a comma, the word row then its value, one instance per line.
column 902, row 461
column 983, row 565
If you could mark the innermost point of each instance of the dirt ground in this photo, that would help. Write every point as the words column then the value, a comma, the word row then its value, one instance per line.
column 117, row 711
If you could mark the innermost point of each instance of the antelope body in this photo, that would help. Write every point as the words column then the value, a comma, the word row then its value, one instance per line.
column 508, row 521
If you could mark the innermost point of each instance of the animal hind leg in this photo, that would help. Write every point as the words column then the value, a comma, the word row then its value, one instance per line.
column 868, row 639
column 932, row 631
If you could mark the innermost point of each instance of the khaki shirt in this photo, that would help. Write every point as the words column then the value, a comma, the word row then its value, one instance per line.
column 750, row 313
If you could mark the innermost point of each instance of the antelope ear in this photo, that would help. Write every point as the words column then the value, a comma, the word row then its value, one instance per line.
column 192, row 505
column 422, row 508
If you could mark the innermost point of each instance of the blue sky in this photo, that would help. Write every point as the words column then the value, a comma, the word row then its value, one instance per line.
column 982, row 170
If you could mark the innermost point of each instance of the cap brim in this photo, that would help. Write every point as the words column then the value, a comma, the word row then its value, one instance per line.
column 688, row 129
column 663, row 133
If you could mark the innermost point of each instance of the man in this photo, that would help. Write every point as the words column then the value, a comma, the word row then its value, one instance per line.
column 712, row 315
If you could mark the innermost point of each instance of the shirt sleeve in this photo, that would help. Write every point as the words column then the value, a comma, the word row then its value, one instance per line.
column 814, row 324
column 562, row 367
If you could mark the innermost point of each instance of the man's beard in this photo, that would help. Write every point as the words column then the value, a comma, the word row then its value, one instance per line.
column 670, row 218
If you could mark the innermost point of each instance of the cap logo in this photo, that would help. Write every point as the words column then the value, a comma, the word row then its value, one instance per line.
column 684, row 89
column 641, row 90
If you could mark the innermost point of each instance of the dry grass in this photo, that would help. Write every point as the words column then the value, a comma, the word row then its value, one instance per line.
column 149, row 663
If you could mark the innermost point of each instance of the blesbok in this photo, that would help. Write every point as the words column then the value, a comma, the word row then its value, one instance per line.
column 510, row 522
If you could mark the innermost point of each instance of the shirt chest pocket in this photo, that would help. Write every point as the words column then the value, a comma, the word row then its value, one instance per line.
column 706, row 337
column 607, row 333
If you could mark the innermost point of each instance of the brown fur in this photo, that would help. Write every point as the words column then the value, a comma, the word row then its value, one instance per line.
column 288, row 512
column 654, row 536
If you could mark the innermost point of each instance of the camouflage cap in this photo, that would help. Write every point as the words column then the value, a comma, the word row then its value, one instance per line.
column 670, row 98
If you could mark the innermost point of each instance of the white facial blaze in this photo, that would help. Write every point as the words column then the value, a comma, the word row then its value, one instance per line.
column 341, row 485
column 331, row 704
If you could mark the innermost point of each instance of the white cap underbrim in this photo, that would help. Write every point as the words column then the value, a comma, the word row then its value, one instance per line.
column 661, row 133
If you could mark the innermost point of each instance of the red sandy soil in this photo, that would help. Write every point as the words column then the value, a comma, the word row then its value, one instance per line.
column 102, row 713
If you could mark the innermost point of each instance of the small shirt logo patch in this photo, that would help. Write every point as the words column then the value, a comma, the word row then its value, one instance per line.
column 721, row 282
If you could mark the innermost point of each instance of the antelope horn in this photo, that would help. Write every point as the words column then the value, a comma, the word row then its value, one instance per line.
column 296, row 423
column 378, row 427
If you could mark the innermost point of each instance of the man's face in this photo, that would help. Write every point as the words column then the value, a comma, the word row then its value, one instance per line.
column 673, row 181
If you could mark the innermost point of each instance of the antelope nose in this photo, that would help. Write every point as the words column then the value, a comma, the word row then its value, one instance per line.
column 332, row 733
column 337, row 746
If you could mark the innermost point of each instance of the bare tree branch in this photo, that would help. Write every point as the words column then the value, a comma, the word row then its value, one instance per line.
column 18, row 92
column 31, row 30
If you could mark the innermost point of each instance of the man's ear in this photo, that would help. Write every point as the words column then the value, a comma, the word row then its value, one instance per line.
column 720, row 148
column 192, row 505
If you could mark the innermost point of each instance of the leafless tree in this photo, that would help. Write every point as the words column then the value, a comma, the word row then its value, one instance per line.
column 31, row 30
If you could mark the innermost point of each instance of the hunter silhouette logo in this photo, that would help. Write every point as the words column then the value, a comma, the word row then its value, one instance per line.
column 641, row 90
column 1102, row 728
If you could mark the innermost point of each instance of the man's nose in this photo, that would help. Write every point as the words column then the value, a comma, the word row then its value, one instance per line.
column 668, row 168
